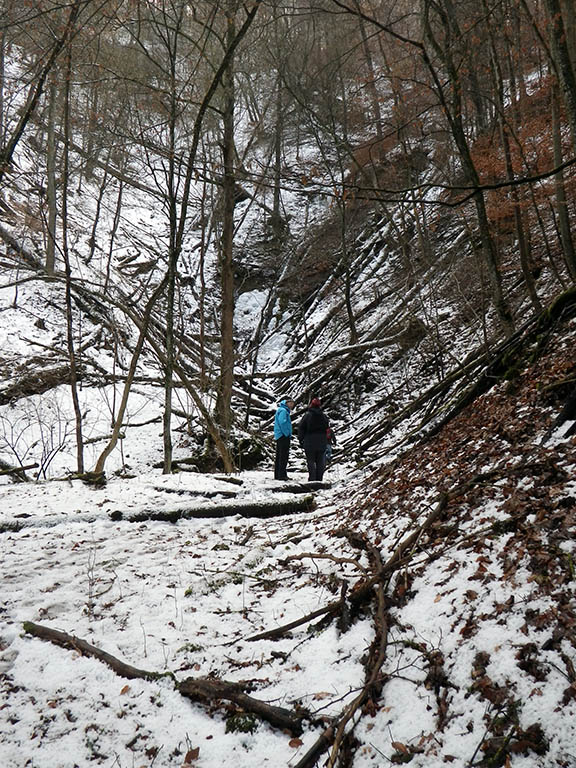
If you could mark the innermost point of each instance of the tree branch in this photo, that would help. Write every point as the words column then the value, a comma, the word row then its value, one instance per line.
column 203, row 689
column 350, row 350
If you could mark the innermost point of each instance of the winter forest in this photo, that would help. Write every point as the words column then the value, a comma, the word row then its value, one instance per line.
column 207, row 208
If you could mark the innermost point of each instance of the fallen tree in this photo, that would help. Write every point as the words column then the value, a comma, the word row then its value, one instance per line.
column 18, row 473
column 203, row 689
column 264, row 510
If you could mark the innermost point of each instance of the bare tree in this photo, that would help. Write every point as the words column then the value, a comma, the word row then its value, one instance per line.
column 559, row 24
column 66, row 255
column 226, row 379
column 37, row 86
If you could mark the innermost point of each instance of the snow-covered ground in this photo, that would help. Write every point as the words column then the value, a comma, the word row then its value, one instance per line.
column 186, row 597
column 180, row 597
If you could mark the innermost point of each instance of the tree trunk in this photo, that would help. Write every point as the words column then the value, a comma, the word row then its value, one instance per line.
column 8, row 148
column 561, row 202
column 169, row 366
column 204, row 241
column 525, row 261
column 569, row 16
column 519, row 223
column 2, row 71
column 475, row 88
column 353, row 331
column 146, row 318
column 561, row 56
column 371, row 82
column 115, row 225
column 453, row 113
column 226, row 380
column 51, row 181
column 173, row 253
column 66, row 256
column 277, row 227
column 93, row 234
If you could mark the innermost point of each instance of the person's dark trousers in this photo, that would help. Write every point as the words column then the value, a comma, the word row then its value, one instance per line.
column 281, row 463
column 316, row 461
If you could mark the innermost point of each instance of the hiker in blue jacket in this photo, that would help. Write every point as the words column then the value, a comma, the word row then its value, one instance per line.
column 282, row 435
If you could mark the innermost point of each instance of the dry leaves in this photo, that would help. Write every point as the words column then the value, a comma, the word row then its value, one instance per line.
column 191, row 756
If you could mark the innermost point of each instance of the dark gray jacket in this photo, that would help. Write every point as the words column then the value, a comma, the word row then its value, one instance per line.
column 312, row 430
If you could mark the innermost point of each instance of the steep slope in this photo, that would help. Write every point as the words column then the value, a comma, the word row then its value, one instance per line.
column 423, row 613
column 481, row 613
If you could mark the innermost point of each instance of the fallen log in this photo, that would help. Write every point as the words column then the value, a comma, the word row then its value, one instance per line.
column 335, row 736
column 296, row 487
column 353, row 349
column 402, row 554
column 211, row 689
column 202, row 689
column 263, row 510
column 202, row 494
column 18, row 472
column 273, row 634
column 64, row 640
column 510, row 354
column 568, row 413
column 318, row 748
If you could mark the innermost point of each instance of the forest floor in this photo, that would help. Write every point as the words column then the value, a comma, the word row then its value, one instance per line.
column 422, row 612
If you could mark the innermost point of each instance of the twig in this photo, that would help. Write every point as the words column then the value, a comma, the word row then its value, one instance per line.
column 324, row 556
column 279, row 631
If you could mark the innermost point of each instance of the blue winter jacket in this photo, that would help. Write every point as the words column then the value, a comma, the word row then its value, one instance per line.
column 282, row 423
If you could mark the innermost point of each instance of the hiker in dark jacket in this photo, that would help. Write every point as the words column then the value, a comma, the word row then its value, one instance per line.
column 312, row 437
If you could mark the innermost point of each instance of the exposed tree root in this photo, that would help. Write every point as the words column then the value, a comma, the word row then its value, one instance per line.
column 339, row 734
column 336, row 735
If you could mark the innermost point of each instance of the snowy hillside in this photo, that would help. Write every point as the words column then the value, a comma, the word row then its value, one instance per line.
column 421, row 613
column 204, row 208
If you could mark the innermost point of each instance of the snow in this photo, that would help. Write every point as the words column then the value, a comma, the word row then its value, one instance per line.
column 161, row 596
column 185, row 596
